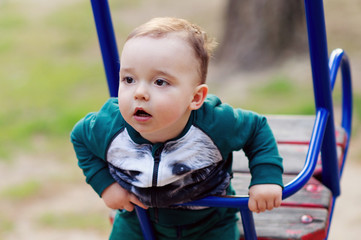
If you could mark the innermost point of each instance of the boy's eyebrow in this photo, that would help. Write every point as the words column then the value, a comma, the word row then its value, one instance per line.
column 126, row 69
column 165, row 73
column 157, row 72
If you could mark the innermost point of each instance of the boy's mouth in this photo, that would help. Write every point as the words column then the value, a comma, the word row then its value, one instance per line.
column 141, row 113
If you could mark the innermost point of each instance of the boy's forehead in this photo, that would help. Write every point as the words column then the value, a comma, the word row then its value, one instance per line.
column 177, row 39
column 158, row 46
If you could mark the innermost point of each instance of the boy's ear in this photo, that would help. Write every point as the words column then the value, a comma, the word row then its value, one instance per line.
column 199, row 96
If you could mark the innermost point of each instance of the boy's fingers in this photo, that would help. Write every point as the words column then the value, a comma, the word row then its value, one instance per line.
column 270, row 204
column 129, row 207
column 136, row 201
column 252, row 205
column 278, row 202
column 262, row 206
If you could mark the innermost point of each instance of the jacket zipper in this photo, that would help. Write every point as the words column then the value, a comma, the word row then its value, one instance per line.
column 155, row 177
column 157, row 159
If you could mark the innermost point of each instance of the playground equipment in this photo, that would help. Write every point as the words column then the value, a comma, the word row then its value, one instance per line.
column 314, row 150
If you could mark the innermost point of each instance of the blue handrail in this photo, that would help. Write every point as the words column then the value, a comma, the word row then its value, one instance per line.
column 339, row 59
column 292, row 187
column 145, row 223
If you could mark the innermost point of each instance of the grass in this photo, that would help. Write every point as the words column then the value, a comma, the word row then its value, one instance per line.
column 22, row 191
column 356, row 112
column 6, row 225
column 65, row 221
column 50, row 75
column 279, row 94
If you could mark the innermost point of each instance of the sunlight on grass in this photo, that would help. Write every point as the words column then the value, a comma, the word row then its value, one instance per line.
column 357, row 112
column 51, row 74
column 91, row 221
column 6, row 225
column 21, row 191
column 281, row 95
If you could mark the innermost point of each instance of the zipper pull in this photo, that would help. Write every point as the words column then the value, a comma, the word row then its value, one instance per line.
column 157, row 159
column 157, row 152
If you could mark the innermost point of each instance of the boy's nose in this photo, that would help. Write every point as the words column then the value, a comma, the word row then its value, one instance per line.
column 141, row 92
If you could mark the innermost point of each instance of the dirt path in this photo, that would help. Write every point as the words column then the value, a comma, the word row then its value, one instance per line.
column 347, row 216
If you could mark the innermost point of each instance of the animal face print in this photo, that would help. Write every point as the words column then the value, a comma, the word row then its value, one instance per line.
column 187, row 167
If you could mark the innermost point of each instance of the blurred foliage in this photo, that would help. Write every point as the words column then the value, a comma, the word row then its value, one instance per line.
column 275, row 94
column 6, row 225
column 281, row 95
column 51, row 73
column 357, row 112
column 83, row 221
column 21, row 191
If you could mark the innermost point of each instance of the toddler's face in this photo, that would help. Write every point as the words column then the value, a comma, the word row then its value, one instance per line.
column 158, row 79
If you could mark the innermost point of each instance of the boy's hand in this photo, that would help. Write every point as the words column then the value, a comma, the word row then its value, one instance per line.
column 116, row 197
column 264, row 197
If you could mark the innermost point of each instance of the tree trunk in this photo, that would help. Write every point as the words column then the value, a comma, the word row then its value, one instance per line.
column 259, row 33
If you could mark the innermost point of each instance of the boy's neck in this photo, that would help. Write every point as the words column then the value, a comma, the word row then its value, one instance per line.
column 167, row 134
column 163, row 135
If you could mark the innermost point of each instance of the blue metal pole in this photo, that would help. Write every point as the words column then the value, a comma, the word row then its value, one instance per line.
column 331, row 211
column 312, row 155
column 339, row 59
column 322, row 90
column 346, row 105
column 108, row 45
column 145, row 223
column 346, row 96
column 334, row 64
column 249, row 228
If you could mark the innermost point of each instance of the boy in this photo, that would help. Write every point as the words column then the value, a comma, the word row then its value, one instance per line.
column 164, row 141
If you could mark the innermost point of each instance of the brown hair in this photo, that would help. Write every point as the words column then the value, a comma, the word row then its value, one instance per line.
column 194, row 35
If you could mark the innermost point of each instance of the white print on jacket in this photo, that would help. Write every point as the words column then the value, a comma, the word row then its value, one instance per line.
column 179, row 158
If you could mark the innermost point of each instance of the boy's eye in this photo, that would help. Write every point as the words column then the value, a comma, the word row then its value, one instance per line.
column 160, row 82
column 128, row 80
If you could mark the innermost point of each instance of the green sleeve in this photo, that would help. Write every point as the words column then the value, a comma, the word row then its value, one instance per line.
column 94, row 168
column 235, row 129
column 260, row 147
column 90, row 138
